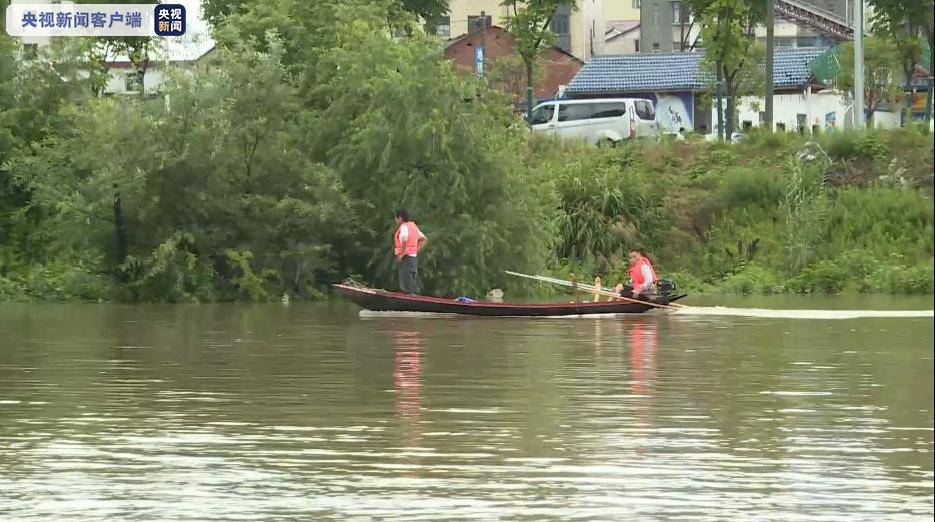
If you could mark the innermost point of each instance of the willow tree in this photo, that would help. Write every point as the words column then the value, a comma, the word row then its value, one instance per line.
column 401, row 128
column 530, row 24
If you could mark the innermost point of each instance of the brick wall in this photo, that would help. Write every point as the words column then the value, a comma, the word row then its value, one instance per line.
column 556, row 67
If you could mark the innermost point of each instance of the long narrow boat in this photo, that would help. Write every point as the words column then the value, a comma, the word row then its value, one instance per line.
column 385, row 301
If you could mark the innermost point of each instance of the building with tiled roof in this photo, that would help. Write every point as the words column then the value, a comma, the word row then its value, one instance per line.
column 676, row 71
column 680, row 88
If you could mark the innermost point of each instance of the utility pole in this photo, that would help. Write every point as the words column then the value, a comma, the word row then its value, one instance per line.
column 720, row 102
column 770, row 49
column 859, row 117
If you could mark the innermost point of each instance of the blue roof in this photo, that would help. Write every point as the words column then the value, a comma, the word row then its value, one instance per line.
column 678, row 71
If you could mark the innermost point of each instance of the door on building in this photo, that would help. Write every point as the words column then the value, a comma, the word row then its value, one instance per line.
column 702, row 114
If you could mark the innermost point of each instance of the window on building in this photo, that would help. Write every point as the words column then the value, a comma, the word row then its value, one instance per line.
column 677, row 13
column 644, row 109
column 561, row 27
column 443, row 26
column 560, row 24
column 476, row 23
column 656, row 47
column 574, row 112
column 636, row 4
column 636, row 45
column 542, row 115
column 132, row 82
column 677, row 46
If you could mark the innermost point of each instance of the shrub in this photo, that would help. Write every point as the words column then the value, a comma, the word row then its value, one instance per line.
column 743, row 186
column 824, row 276
column 752, row 279
column 892, row 278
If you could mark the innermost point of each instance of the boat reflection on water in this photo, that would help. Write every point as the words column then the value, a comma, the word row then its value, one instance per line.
column 643, row 341
column 407, row 383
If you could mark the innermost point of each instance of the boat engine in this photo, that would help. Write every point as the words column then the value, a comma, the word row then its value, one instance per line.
column 665, row 287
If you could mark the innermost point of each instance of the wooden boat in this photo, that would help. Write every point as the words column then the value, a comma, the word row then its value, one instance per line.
column 385, row 301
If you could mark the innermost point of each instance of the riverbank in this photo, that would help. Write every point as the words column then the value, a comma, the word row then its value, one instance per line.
column 853, row 215
column 849, row 213
column 238, row 181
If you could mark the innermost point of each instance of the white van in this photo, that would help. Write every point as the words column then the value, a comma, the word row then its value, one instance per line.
column 599, row 121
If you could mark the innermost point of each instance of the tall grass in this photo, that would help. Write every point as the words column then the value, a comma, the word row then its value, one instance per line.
column 751, row 217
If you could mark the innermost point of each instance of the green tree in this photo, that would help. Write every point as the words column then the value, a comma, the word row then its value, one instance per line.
column 899, row 25
column 731, row 51
column 219, row 198
column 903, row 20
column 529, row 22
column 881, row 73
column 139, row 51
column 404, row 129
column 217, row 11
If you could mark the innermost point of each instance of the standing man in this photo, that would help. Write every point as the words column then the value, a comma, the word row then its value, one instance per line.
column 407, row 243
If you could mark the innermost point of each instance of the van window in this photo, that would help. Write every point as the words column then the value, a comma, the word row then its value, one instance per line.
column 608, row 110
column 644, row 109
column 573, row 112
column 542, row 115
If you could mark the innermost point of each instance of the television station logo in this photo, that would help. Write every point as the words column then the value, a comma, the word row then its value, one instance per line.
column 69, row 19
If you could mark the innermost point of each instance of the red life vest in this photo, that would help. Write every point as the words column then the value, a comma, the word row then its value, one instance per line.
column 411, row 246
column 636, row 272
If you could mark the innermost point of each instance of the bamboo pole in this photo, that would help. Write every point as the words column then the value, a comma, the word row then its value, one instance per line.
column 562, row 282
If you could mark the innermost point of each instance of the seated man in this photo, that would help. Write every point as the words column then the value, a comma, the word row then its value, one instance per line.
column 642, row 277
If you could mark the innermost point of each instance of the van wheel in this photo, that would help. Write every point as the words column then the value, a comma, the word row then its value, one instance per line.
column 606, row 143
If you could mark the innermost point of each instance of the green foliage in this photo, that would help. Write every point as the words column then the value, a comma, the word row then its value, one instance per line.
column 806, row 206
column 881, row 73
column 825, row 276
column 529, row 23
column 897, row 279
column 275, row 169
column 744, row 218
column 752, row 279
column 730, row 54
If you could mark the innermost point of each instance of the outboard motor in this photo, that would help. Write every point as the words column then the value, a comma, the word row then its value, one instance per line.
column 665, row 287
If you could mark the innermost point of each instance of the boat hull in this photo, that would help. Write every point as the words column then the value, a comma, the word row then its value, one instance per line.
column 384, row 301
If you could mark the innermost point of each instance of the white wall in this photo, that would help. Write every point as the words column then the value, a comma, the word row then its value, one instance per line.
column 828, row 109
column 625, row 44
column 587, row 28
column 885, row 119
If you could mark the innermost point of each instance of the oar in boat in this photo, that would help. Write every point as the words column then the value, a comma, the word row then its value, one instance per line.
column 590, row 288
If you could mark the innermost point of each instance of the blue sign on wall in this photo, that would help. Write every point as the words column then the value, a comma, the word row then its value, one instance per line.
column 479, row 60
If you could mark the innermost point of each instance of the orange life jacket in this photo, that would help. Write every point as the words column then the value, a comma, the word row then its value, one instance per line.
column 411, row 246
column 636, row 272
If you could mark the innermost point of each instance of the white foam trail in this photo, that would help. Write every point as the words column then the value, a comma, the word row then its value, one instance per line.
column 799, row 314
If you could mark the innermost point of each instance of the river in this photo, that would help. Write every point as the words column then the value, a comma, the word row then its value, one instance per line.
column 175, row 412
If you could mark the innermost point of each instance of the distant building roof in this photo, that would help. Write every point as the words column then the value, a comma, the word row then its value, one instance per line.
column 617, row 28
column 676, row 71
